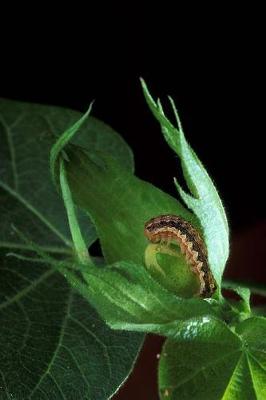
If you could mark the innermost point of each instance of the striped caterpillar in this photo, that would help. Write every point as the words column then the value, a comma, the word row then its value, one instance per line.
column 171, row 228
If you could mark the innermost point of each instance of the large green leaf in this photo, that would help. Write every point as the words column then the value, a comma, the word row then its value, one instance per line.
column 53, row 345
column 203, row 198
column 208, row 361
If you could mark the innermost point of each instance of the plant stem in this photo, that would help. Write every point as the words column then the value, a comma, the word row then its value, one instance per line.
column 78, row 241
column 253, row 287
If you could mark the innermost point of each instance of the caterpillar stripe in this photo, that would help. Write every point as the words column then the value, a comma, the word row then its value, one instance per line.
column 171, row 228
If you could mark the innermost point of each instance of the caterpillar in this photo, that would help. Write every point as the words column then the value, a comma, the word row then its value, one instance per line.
column 172, row 228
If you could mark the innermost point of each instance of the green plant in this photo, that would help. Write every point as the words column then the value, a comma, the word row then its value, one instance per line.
column 53, row 343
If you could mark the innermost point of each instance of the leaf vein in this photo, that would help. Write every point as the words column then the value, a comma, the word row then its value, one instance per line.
column 26, row 290
column 78, row 367
column 12, row 152
column 102, row 344
column 62, row 332
column 33, row 210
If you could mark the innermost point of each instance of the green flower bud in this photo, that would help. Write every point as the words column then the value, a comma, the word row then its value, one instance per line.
column 169, row 267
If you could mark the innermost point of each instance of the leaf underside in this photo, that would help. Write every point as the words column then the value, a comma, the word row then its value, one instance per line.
column 53, row 344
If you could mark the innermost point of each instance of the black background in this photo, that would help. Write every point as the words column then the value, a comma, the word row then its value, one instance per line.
column 210, row 60
column 212, row 65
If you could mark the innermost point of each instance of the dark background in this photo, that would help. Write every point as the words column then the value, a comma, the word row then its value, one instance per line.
column 212, row 64
column 212, row 67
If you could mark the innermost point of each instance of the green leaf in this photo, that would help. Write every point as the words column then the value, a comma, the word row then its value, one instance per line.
column 208, row 361
column 28, row 198
column 203, row 198
column 53, row 345
column 127, row 297
column 118, row 203
column 242, row 292
column 252, row 331
column 63, row 140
